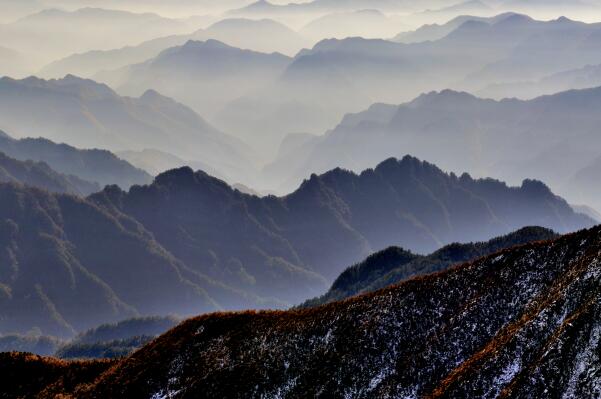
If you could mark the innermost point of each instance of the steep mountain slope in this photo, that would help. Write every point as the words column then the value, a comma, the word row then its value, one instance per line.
column 274, row 245
column 189, row 243
column 86, row 114
column 509, row 139
column 39, row 174
column 202, row 74
column 89, row 267
column 394, row 264
column 520, row 323
column 97, row 166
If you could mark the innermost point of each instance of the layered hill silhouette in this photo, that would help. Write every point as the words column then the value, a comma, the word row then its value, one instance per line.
column 87, row 114
column 262, row 35
column 370, row 23
column 522, row 322
column 190, row 71
column 338, row 76
column 189, row 243
column 508, row 139
column 98, row 166
column 394, row 265
column 263, row 96
column 39, row 174
column 55, row 33
column 580, row 78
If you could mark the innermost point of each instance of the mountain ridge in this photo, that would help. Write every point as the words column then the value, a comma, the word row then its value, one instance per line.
column 502, row 324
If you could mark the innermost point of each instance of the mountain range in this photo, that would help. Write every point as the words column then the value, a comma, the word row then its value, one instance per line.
column 263, row 35
column 39, row 174
column 189, row 243
column 523, row 322
column 97, row 166
column 90, row 266
column 581, row 78
column 508, row 139
column 87, row 114
column 309, row 93
column 190, row 72
column 336, row 77
column 62, row 32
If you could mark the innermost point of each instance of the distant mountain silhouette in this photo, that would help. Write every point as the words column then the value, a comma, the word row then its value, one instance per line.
column 508, row 139
column 40, row 175
column 365, row 23
column 115, row 340
column 99, row 166
column 259, row 35
column 87, row 114
column 431, row 32
column 202, row 74
column 54, row 33
column 522, row 322
column 394, row 265
column 190, row 243
column 335, row 77
column 311, row 92
column 580, row 78
column 265, row 8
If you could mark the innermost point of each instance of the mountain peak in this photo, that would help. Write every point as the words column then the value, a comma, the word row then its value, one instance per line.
column 185, row 174
column 536, row 188
column 444, row 96
column 513, row 20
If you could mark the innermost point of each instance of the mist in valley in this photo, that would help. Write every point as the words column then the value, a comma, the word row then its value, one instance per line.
column 192, row 156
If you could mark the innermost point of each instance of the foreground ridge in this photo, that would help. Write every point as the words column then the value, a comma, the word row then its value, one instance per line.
column 523, row 322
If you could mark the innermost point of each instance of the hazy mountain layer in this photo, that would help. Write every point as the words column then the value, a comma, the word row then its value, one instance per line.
column 204, row 75
column 336, row 77
column 259, row 35
column 40, row 175
column 54, row 33
column 86, row 114
column 549, row 138
column 523, row 322
column 99, row 166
